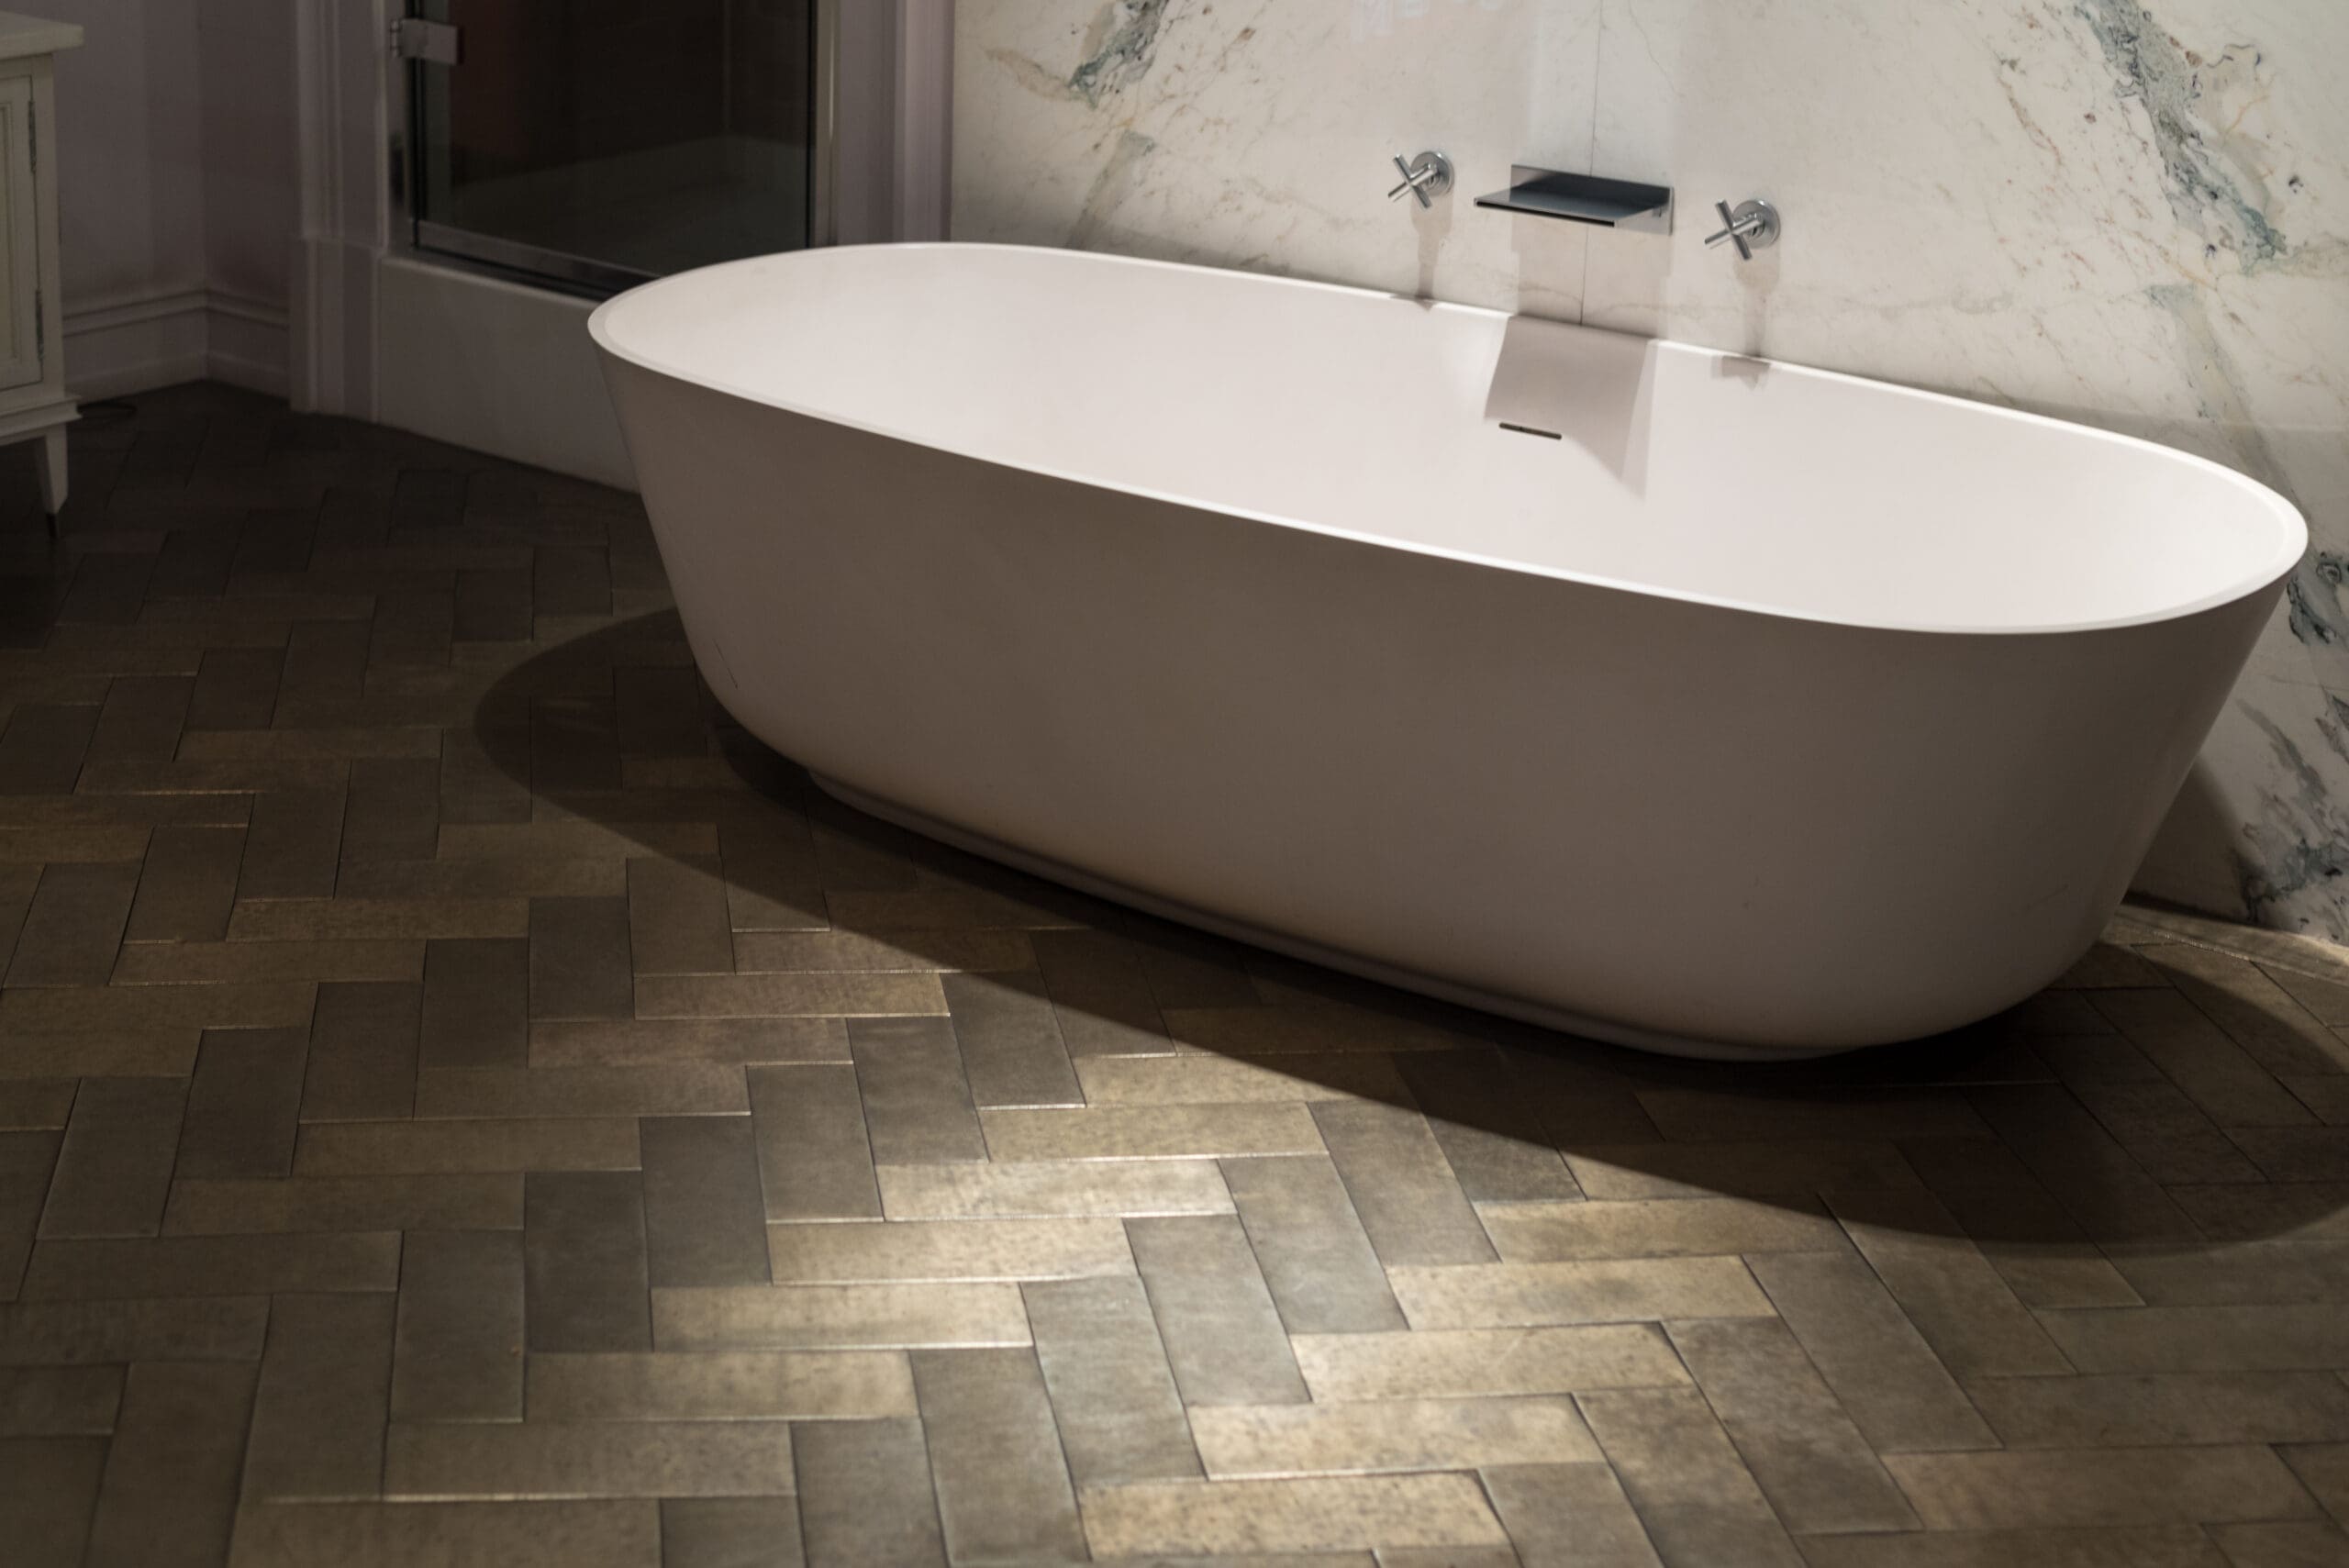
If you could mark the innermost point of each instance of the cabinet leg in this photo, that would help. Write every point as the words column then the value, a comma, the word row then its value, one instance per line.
column 53, row 479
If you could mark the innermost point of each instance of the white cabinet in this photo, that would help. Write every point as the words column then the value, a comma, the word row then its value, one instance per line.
column 34, row 403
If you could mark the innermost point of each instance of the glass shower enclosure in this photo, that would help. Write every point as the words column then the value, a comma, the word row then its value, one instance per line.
column 590, row 145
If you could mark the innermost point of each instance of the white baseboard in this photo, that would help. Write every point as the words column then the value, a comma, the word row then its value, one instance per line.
column 142, row 342
column 248, row 343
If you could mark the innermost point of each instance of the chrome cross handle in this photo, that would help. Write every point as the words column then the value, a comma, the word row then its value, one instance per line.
column 1751, row 226
column 1427, row 176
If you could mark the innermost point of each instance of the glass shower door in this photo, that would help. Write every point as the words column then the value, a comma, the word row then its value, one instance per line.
column 592, row 144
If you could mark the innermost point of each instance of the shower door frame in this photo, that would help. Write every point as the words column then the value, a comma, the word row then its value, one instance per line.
column 515, row 261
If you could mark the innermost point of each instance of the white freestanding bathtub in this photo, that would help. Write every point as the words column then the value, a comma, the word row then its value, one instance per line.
column 1687, row 701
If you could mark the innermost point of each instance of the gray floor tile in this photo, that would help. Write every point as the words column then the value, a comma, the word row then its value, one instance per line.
column 27, row 1161
column 1049, row 1189
column 476, row 1004
column 458, row 1344
column 678, row 922
column 141, row 718
column 1310, row 1242
column 705, row 1220
column 1184, row 1520
column 168, row 1494
column 556, row 1460
column 1113, row 1395
column 236, row 688
column 243, row 1105
column 620, row 1042
column 36, row 1105
column 2133, row 1409
column 324, row 1396
column 579, row 958
column 447, row 1147
column 1869, row 1354
column 810, row 1126
column 188, row 884
column 1405, row 1190
column 42, row 745
column 1492, row 1140
column 468, row 1202
column 699, row 1386
column 2081, row 1488
column 1948, row 1289
column 74, row 927
column 823, row 1253
column 995, row 1454
column 1223, row 1335
column 1568, row 1514
column 2203, row 1339
column 2153, row 1546
column 1149, row 1132
column 1562, row 1232
column 731, row 1533
column 293, row 845
column 59, row 1401
column 1434, row 1364
column 49, row 1489
column 1099, row 994
column 114, row 1171
column 2282, row 1545
column 1389, row 1437
column 865, row 1495
column 212, row 1265
column 363, row 1055
column 918, row 1105
column 1694, row 1494
column 1818, row 1472
column 948, row 1315
column 584, row 1250
column 2109, row 1193
column 85, row 1333
column 1488, row 1296
column 394, row 809
column 1012, row 1050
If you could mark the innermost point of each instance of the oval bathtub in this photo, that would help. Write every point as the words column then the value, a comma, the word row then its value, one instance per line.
column 1683, row 700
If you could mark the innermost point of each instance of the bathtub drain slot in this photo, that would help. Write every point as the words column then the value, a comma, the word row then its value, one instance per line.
column 1529, row 430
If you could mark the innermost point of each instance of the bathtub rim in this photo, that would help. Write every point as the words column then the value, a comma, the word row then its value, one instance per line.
column 2292, row 523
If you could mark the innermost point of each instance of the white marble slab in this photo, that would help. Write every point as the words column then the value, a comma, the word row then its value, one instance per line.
column 1259, row 133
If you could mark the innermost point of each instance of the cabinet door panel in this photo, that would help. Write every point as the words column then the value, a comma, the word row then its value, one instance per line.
column 20, row 264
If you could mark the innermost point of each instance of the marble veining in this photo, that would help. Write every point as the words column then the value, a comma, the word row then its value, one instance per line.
column 2133, row 213
column 2217, row 185
column 1129, row 32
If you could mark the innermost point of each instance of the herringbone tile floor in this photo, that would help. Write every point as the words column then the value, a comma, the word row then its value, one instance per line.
column 466, row 1104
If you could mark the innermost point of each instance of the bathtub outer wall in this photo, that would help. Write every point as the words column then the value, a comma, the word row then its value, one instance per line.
column 1745, row 833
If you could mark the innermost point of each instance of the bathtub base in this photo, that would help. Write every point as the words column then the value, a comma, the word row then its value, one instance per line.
column 1575, row 1024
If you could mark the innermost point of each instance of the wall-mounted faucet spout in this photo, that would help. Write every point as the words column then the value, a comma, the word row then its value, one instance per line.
column 1585, row 198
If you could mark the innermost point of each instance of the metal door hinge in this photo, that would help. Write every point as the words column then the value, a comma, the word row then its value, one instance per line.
column 435, row 43
column 40, row 327
column 32, row 138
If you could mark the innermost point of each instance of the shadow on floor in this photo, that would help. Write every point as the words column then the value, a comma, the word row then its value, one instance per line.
column 2123, row 1112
